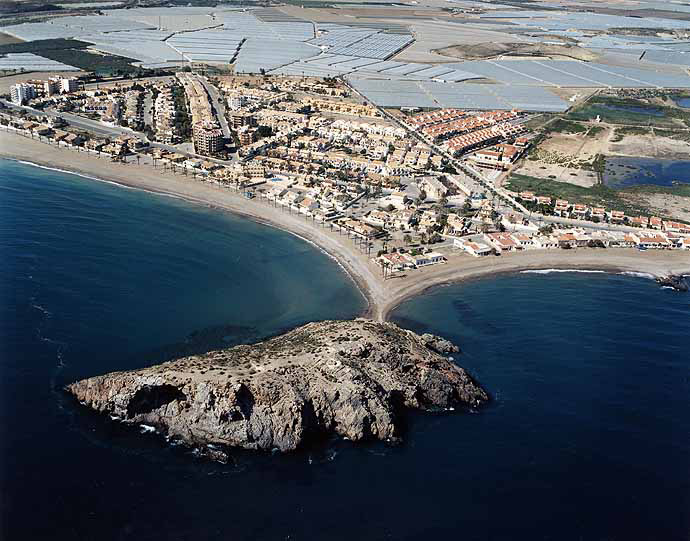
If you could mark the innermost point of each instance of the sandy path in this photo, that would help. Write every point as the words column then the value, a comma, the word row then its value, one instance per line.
column 382, row 296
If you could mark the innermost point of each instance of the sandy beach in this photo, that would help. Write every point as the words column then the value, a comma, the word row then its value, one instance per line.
column 382, row 296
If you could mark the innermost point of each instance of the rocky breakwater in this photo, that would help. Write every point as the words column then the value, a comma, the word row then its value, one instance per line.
column 350, row 378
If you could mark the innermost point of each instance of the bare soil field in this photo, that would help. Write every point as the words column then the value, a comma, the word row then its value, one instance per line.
column 488, row 50
column 663, row 204
column 561, row 156
column 560, row 173
column 651, row 146
column 6, row 39
column 8, row 80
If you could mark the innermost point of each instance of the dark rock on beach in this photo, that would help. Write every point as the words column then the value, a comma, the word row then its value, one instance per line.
column 677, row 282
column 354, row 379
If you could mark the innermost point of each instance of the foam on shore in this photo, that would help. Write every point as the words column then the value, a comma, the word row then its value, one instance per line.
column 638, row 274
column 549, row 271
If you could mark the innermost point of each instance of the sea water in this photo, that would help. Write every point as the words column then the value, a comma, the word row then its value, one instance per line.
column 586, row 436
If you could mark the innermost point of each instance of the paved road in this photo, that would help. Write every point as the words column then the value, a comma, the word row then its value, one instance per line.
column 98, row 128
column 92, row 126
column 218, row 104
column 148, row 108
column 506, row 204
column 474, row 179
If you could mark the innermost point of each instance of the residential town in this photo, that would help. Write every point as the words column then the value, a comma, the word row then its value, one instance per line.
column 409, row 192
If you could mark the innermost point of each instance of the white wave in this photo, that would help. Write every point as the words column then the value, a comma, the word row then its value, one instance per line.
column 78, row 174
column 549, row 271
column 40, row 308
column 637, row 274
column 147, row 429
column 114, row 418
column 667, row 287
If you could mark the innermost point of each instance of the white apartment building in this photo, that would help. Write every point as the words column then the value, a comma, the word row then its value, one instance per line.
column 237, row 102
column 68, row 84
column 21, row 93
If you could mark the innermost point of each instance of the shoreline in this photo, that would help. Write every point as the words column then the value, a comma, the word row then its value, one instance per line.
column 389, row 308
column 346, row 257
column 359, row 285
column 382, row 297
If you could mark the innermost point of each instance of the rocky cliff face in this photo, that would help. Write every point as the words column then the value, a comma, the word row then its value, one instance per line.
column 352, row 378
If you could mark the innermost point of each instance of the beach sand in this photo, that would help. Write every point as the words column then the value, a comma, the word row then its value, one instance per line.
column 382, row 296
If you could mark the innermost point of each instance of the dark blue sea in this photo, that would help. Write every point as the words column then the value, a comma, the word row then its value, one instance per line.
column 587, row 436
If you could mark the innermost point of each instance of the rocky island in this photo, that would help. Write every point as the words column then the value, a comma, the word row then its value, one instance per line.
column 354, row 379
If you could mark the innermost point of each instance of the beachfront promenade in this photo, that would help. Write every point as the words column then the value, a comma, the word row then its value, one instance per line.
column 382, row 295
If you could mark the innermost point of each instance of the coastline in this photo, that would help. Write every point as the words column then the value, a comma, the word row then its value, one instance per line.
column 626, row 261
column 145, row 178
column 382, row 296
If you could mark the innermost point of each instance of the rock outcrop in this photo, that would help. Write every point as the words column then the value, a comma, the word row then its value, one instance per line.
column 351, row 378
column 675, row 281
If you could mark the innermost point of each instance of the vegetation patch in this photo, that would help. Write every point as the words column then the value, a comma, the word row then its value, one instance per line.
column 674, row 134
column 565, row 126
column 598, row 195
column 75, row 53
column 595, row 131
column 42, row 45
column 615, row 110
column 679, row 189
column 621, row 133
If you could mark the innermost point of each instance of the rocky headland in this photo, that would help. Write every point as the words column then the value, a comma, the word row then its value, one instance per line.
column 354, row 379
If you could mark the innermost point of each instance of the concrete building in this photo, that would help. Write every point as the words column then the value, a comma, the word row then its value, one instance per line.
column 68, row 84
column 51, row 87
column 21, row 93
column 208, row 139
column 236, row 102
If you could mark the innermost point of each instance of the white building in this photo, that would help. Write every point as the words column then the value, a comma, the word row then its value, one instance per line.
column 473, row 247
column 237, row 101
column 68, row 84
column 21, row 93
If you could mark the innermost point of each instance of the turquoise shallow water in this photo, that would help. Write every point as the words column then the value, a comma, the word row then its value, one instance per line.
column 586, row 438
